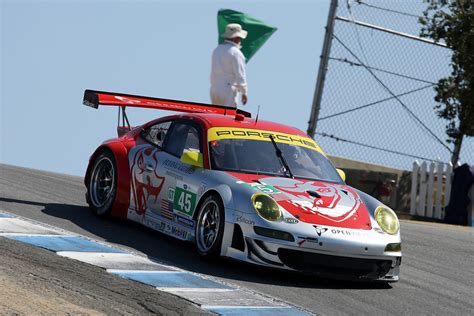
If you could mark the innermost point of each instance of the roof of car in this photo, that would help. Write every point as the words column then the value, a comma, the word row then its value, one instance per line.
column 217, row 120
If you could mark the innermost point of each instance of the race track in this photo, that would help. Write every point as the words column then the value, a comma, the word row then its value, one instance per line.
column 437, row 272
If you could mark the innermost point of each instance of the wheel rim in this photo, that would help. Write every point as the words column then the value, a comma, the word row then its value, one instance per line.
column 208, row 226
column 102, row 182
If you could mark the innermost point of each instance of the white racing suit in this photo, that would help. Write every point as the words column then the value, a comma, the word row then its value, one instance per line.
column 227, row 74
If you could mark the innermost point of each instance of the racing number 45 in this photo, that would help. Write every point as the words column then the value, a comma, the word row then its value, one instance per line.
column 184, row 201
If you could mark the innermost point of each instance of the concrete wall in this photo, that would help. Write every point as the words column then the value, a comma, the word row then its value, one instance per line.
column 373, row 178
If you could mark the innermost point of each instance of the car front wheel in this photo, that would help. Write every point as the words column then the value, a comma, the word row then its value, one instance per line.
column 210, row 227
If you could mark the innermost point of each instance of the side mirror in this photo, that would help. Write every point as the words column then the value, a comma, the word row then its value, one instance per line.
column 192, row 158
column 342, row 174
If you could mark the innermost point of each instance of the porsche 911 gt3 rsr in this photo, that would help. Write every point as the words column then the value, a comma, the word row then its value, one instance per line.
column 243, row 188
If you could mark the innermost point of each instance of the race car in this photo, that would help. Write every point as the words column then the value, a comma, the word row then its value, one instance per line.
column 248, row 189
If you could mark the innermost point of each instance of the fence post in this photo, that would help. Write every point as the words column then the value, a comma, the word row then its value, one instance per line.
column 439, row 189
column 414, row 187
column 447, row 190
column 430, row 191
column 470, row 208
column 422, row 198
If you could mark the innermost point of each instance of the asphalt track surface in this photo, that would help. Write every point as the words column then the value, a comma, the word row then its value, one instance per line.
column 437, row 272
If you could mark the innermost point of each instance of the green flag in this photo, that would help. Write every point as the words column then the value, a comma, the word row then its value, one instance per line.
column 258, row 31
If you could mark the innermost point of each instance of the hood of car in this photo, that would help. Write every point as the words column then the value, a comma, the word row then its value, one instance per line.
column 313, row 202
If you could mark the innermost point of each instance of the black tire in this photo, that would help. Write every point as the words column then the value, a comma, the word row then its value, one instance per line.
column 209, row 229
column 102, row 186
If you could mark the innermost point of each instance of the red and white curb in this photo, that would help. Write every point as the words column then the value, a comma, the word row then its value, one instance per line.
column 210, row 294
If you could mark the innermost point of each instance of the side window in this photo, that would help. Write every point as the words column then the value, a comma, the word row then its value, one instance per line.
column 156, row 134
column 183, row 136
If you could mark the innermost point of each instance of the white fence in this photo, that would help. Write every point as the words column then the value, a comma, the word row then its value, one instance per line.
column 470, row 209
column 430, row 189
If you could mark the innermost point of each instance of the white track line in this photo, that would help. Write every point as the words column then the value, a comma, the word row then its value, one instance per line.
column 193, row 289
column 244, row 307
column 35, row 235
column 117, row 271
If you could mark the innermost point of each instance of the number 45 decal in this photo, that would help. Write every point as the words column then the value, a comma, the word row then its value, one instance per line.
column 184, row 201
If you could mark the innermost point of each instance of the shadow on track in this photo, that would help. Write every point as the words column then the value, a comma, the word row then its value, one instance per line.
column 168, row 250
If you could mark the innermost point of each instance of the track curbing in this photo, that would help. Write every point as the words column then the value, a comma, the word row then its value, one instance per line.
column 211, row 295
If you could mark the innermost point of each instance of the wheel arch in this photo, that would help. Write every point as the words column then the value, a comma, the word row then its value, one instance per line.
column 204, row 197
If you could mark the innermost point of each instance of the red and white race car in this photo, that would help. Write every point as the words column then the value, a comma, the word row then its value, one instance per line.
column 248, row 189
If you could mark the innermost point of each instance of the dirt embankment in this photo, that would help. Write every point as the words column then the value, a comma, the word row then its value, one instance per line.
column 37, row 282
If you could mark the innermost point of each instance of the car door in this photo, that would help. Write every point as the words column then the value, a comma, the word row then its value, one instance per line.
column 147, row 181
column 182, row 180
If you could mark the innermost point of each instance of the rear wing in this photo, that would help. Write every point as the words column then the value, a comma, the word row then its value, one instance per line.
column 95, row 98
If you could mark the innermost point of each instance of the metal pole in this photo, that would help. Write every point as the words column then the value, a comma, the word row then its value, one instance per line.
column 383, row 29
column 323, row 67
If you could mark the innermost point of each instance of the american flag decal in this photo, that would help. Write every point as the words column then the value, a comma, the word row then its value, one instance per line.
column 166, row 209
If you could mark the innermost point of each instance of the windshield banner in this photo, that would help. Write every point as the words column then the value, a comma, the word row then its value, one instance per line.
column 217, row 133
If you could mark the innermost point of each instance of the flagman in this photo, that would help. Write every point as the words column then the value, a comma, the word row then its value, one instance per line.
column 228, row 69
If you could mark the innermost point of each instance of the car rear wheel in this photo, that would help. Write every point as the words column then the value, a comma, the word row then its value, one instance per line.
column 210, row 227
column 102, row 187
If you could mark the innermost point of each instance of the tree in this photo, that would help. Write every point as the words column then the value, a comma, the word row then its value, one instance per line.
column 452, row 21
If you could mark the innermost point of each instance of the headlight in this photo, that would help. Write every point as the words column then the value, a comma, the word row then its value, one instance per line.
column 266, row 207
column 387, row 219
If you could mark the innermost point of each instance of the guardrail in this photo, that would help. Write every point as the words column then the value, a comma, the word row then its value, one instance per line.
column 430, row 188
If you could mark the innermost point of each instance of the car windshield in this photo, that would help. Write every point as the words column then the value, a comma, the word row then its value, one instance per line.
column 260, row 157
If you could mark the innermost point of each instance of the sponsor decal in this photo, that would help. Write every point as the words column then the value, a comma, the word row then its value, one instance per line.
column 302, row 240
column 89, row 103
column 265, row 188
column 242, row 219
column 346, row 232
column 171, row 194
column 164, row 104
column 184, row 201
column 184, row 168
column 202, row 188
column 173, row 230
column 379, row 230
column 127, row 100
column 320, row 230
column 290, row 220
column 185, row 221
column 216, row 133
column 145, row 182
column 168, row 228
column 174, row 175
column 176, row 231
column 156, row 225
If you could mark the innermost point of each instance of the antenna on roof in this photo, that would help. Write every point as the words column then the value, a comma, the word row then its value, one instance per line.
column 258, row 112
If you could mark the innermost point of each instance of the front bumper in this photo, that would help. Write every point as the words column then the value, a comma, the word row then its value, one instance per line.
column 336, row 266
column 307, row 261
column 334, row 258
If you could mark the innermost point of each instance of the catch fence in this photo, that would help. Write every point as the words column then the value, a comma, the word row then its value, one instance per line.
column 377, row 104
